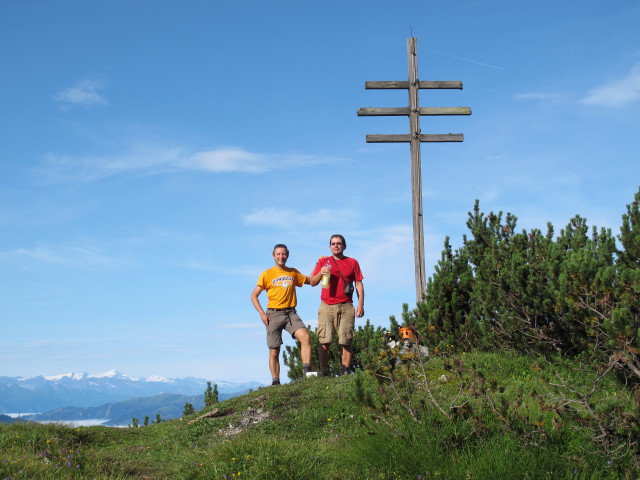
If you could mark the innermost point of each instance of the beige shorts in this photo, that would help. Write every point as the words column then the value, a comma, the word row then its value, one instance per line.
column 339, row 318
column 286, row 319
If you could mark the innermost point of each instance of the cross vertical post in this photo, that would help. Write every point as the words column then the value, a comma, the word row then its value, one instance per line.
column 415, row 137
column 416, row 170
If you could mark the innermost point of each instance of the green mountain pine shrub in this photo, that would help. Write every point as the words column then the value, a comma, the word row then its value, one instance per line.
column 575, row 295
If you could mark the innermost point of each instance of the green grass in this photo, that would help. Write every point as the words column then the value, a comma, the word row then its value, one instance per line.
column 502, row 425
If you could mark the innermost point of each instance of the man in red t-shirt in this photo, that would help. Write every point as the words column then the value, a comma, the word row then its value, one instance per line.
column 336, row 315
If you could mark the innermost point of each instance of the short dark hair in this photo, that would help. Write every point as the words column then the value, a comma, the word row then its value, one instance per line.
column 337, row 235
column 279, row 245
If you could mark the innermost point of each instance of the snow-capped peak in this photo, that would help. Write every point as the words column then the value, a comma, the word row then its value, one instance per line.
column 112, row 374
column 155, row 378
column 72, row 376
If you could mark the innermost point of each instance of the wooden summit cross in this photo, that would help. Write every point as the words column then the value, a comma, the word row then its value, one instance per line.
column 413, row 111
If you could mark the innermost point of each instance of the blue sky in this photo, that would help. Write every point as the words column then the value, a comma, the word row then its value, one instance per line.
column 153, row 152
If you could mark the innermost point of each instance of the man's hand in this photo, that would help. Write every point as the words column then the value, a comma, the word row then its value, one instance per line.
column 265, row 319
column 359, row 311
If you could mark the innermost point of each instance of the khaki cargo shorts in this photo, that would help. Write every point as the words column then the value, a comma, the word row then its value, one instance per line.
column 285, row 319
column 339, row 318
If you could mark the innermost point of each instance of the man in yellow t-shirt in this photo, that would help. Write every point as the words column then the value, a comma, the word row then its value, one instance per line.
column 280, row 282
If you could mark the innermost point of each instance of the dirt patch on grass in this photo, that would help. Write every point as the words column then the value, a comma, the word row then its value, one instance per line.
column 251, row 416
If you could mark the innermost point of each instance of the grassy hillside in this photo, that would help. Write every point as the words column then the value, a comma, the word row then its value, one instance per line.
column 473, row 416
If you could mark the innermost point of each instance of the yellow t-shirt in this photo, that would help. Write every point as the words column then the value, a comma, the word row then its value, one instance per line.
column 281, row 286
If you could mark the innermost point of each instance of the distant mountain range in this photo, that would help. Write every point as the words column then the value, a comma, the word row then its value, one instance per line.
column 118, row 414
column 44, row 394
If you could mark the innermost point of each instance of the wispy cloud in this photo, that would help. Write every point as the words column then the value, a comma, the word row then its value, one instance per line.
column 85, row 93
column 71, row 256
column 151, row 160
column 207, row 266
column 617, row 93
column 235, row 159
column 228, row 160
column 469, row 60
column 538, row 96
column 156, row 159
column 281, row 217
column 386, row 254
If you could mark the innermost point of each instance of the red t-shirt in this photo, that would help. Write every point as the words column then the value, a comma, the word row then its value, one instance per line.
column 350, row 270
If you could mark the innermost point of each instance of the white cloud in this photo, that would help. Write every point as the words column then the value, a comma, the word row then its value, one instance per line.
column 617, row 93
column 228, row 160
column 154, row 159
column 39, row 254
column 235, row 159
column 279, row 217
column 470, row 60
column 386, row 254
column 72, row 256
column 537, row 96
column 211, row 267
column 89, row 168
column 85, row 93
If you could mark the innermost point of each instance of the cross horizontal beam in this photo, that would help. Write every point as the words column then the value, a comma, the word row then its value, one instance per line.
column 404, row 111
column 398, row 84
column 428, row 137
